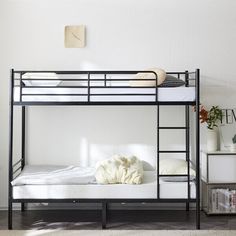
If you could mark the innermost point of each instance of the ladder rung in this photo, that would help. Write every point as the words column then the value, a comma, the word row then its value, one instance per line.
column 173, row 175
column 172, row 151
column 173, row 127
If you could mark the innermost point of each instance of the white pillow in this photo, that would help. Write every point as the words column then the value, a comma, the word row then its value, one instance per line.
column 173, row 166
column 161, row 75
column 147, row 166
column 34, row 82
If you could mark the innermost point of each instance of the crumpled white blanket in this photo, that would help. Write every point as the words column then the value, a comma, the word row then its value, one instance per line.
column 119, row 170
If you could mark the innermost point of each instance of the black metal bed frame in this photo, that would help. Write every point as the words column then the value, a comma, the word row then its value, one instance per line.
column 17, row 167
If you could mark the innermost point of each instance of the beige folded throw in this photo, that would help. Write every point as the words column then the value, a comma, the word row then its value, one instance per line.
column 119, row 170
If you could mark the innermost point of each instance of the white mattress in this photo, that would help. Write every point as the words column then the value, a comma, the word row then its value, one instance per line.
column 115, row 191
column 164, row 94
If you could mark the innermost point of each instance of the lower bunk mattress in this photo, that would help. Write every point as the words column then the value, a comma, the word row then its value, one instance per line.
column 91, row 190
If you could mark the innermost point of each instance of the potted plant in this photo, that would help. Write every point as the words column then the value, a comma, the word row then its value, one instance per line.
column 212, row 118
column 233, row 145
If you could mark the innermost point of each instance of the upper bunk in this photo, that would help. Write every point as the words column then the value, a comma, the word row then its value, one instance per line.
column 30, row 88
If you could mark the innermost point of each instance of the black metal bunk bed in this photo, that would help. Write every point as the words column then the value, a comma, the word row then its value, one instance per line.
column 18, row 84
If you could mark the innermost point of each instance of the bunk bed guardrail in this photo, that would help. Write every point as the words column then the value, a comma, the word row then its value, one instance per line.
column 92, row 86
column 17, row 168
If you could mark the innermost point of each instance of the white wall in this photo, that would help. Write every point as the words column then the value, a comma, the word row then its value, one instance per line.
column 121, row 34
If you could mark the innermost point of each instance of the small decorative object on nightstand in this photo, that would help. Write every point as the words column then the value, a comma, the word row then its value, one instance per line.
column 218, row 171
column 212, row 118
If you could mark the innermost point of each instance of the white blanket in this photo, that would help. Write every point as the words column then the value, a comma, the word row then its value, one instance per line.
column 55, row 175
column 119, row 170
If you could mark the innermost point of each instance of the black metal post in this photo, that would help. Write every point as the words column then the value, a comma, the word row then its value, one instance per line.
column 197, row 150
column 104, row 214
column 158, row 152
column 88, row 87
column 187, row 144
column 105, row 80
column 23, row 146
column 21, row 87
column 158, row 137
column 10, row 177
column 187, row 139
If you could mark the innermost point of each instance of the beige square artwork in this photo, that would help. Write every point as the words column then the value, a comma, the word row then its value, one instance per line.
column 75, row 36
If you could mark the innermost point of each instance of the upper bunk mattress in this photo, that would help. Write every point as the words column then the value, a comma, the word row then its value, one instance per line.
column 112, row 94
column 66, row 183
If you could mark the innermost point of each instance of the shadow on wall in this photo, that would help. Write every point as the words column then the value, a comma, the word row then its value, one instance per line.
column 91, row 153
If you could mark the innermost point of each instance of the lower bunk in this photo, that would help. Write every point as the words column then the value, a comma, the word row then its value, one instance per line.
column 69, row 184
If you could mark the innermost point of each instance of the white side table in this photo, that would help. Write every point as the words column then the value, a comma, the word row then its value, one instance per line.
column 218, row 171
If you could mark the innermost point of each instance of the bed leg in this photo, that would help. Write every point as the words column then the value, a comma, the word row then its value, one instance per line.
column 104, row 215
column 22, row 207
column 187, row 206
column 10, row 215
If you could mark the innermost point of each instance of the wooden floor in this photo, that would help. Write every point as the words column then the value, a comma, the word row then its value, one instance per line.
column 118, row 220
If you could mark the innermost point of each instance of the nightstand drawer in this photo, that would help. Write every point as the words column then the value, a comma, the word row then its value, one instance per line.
column 219, row 168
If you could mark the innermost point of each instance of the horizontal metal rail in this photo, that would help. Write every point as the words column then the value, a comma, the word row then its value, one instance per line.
column 91, row 94
column 114, row 200
column 91, row 86
column 94, row 103
column 172, row 151
column 17, row 165
column 16, row 176
column 98, row 72
column 15, row 171
column 86, row 80
column 18, row 162
column 173, row 127
column 177, row 175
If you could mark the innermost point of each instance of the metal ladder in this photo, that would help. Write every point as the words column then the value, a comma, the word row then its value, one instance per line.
column 186, row 151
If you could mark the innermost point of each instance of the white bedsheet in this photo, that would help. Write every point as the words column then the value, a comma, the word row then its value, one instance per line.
column 53, row 175
column 164, row 94
column 148, row 189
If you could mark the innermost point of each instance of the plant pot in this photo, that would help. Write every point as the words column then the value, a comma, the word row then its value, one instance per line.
column 212, row 140
column 233, row 147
